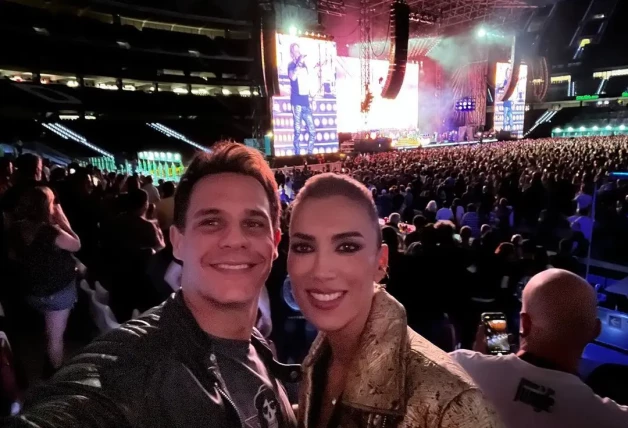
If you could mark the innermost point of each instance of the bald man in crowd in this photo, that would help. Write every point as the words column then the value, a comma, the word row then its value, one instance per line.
column 539, row 387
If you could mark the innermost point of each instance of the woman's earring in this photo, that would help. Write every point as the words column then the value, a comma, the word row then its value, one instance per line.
column 383, row 270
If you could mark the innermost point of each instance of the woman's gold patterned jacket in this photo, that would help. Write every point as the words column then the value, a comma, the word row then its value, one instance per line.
column 399, row 379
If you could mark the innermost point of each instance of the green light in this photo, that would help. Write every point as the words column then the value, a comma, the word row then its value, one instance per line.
column 622, row 127
column 624, row 94
column 608, row 127
column 587, row 97
column 582, row 128
column 570, row 129
column 482, row 32
column 558, row 130
column 595, row 128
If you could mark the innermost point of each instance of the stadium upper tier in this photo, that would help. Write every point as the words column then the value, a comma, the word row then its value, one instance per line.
column 46, row 40
column 81, row 139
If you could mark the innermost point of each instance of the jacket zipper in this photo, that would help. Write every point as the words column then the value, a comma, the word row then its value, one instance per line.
column 225, row 395
column 221, row 392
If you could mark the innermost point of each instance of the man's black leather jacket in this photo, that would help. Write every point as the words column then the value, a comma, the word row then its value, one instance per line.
column 155, row 371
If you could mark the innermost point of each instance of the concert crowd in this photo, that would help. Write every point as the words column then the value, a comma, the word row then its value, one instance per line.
column 469, row 230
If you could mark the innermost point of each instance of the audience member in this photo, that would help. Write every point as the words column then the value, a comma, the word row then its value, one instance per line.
column 538, row 386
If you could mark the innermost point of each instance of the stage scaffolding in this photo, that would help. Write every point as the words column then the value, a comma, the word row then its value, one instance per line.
column 449, row 13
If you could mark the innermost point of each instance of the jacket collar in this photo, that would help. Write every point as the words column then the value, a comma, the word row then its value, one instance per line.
column 376, row 378
column 191, row 339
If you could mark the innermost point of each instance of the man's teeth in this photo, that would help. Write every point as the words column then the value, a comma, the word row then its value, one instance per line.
column 326, row 297
column 233, row 267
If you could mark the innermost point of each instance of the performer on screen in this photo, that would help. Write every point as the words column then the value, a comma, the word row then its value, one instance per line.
column 300, row 98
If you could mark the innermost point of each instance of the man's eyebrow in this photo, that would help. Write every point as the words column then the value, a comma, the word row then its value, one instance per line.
column 257, row 213
column 206, row 212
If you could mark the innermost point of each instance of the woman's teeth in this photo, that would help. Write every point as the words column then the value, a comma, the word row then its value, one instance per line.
column 326, row 297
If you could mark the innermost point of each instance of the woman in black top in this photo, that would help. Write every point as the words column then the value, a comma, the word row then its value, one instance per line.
column 41, row 242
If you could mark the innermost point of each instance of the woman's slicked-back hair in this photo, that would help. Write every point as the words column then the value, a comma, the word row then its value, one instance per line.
column 329, row 184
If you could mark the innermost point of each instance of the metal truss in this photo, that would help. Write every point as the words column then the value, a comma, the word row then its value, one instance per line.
column 452, row 13
column 332, row 7
column 458, row 12
column 366, row 50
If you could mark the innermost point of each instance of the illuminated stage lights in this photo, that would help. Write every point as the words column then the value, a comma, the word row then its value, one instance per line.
column 294, row 31
column 466, row 104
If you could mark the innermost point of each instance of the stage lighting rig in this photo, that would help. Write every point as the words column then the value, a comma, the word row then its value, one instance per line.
column 332, row 7
column 466, row 104
column 366, row 103
column 423, row 18
column 366, row 51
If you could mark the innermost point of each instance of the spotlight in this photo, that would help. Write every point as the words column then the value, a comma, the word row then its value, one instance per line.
column 481, row 32
column 292, row 30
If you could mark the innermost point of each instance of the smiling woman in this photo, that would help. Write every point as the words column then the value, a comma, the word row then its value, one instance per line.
column 366, row 368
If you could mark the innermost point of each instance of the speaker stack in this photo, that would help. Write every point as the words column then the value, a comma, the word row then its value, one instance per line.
column 399, row 35
column 268, row 42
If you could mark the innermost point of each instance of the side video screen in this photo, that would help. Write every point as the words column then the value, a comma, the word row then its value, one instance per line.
column 510, row 114
column 305, row 114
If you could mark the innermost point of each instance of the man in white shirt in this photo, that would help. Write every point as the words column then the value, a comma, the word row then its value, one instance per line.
column 153, row 193
column 538, row 386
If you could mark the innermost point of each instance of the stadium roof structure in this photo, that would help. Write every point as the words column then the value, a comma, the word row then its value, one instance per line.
column 444, row 15
column 451, row 13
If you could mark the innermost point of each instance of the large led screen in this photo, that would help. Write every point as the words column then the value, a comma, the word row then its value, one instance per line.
column 304, row 114
column 510, row 114
column 400, row 113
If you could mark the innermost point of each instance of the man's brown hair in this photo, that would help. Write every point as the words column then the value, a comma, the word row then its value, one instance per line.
column 226, row 158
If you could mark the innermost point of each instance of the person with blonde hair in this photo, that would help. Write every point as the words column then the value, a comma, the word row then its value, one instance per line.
column 366, row 368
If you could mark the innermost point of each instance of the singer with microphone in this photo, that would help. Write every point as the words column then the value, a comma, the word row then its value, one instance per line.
column 300, row 98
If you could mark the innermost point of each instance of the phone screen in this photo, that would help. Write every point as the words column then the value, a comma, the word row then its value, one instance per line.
column 496, row 330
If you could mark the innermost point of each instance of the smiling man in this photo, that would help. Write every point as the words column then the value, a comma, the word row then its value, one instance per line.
column 195, row 361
